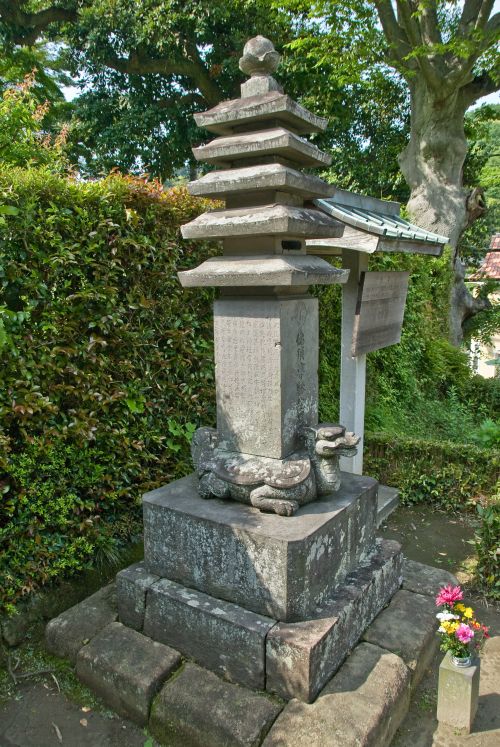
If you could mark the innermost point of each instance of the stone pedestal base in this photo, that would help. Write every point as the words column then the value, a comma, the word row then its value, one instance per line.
column 280, row 567
column 458, row 693
column 293, row 660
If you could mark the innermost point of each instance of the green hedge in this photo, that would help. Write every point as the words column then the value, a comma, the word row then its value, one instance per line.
column 106, row 368
column 106, row 365
column 488, row 547
column 444, row 473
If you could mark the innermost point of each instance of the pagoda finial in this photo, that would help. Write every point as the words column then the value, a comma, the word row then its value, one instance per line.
column 259, row 57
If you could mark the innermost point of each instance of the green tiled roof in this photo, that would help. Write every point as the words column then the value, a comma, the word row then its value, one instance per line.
column 375, row 222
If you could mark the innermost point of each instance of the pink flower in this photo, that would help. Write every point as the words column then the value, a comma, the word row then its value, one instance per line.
column 449, row 595
column 464, row 633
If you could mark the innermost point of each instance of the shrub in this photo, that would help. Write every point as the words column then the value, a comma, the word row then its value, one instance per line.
column 488, row 548
column 446, row 474
column 106, row 364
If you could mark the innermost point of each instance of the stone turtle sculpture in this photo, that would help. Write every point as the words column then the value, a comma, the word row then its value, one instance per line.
column 276, row 485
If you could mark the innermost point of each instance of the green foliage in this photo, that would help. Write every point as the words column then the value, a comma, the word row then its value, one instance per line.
column 488, row 434
column 422, row 387
column 482, row 166
column 106, row 365
column 488, row 548
column 447, row 474
column 23, row 140
column 143, row 122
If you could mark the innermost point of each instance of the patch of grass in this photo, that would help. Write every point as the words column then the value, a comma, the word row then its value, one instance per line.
column 31, row 657
column 427, row 701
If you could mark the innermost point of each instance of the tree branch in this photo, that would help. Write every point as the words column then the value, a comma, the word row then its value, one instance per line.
column 28, row 27
column 492, row 25
column 393, row 32
column 461, row 68
column 481, row 85
column 414, row 33
column 137, row 64
column 431, row 33
column 474, row 17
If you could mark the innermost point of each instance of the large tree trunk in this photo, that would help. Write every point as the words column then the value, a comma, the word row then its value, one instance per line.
column 432, row 164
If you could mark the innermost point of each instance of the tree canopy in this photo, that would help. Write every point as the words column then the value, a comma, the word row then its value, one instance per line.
column 144, row 68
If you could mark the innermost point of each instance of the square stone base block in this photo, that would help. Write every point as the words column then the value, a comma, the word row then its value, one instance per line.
column 293, row 660
column 301, row 657
column 278, row 566
column 458, row 694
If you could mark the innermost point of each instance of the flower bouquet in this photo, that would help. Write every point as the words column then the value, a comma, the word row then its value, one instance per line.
column 460, row 632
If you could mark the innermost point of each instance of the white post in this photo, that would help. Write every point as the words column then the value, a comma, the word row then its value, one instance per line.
column 352, row 370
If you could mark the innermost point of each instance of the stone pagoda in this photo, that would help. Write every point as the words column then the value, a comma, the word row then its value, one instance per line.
column 263, row 565
column 268, row 449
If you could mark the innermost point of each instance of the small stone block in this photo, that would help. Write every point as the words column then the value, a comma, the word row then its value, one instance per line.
column 279, row 566
column 424, row 579
column 69, row 631
column 126, row 669
column 303, row 656
column 200, row 710
column 408, row 628
column 388, row 501
column 458, row 693
column 132, row 584
column 362, row 706
column 223, row 637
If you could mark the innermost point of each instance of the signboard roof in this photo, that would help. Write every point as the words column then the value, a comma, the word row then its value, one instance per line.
column 370, row 218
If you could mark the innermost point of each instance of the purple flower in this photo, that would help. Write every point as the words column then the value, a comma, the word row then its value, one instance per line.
column 464, row 633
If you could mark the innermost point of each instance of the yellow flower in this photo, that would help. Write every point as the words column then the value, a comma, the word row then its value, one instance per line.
column 449, row 626
column 460, row 607
column 468, row 612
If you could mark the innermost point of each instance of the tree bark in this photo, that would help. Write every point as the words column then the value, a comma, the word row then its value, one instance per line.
column 432, row 164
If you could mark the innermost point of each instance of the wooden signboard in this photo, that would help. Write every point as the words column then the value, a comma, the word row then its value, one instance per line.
column 379, row 311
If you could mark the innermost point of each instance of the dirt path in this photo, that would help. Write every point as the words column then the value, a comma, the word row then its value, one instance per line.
column 443, row 541
column 40, row 716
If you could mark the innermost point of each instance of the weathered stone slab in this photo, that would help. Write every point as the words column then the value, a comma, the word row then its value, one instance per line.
column 223, row 637
column 132, row 584
column 388, row 501
column 303, row 656
column 267, row 220
column 262, row 270
column 362, row 706
column 424, row 579
column 282, row 567
column 262, row 177
column 200, row 710
column 256, row 109
column 266, row 359
column 273, row 142
column 126, row 669
column 458, row 694
column 67, row 633
column 408, row 628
